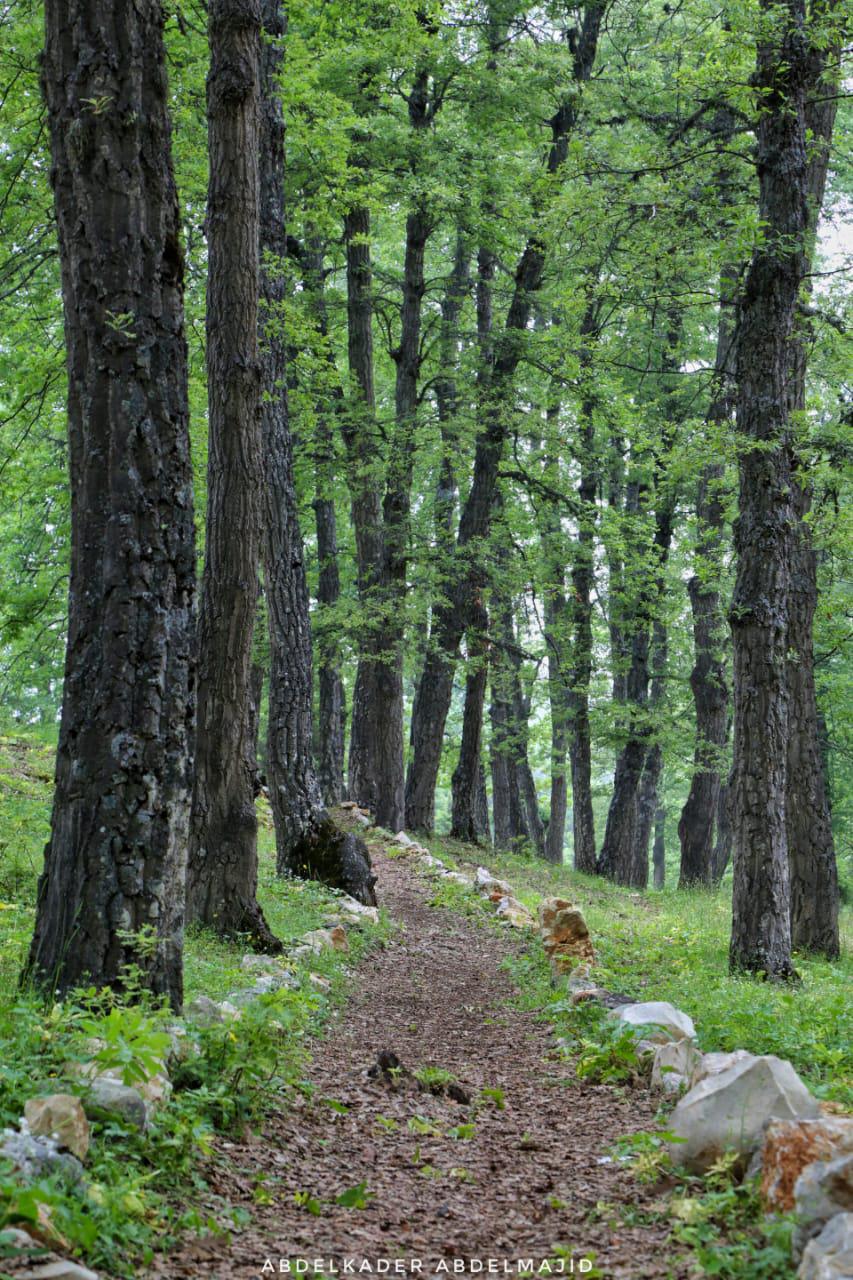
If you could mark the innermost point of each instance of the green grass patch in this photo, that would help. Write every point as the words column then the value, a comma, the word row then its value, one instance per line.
column 673, row 945
column 141, row 1190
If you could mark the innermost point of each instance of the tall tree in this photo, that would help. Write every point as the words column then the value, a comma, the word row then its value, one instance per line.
column 788, row 73
column 307, row 841
column 115, row 864
column 223, row 859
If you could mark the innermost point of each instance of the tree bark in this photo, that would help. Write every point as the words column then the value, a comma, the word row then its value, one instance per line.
column 659, row 850
column 811, row 847
column 223, row 859
column 466, row 821
column 115, row 863
column 788, row 70
column 435, row 688
column 307, row 841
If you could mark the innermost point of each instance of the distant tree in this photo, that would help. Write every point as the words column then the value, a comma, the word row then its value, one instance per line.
column 115, row 864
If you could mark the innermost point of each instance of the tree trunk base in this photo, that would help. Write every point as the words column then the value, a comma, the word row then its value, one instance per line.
column 334, row 857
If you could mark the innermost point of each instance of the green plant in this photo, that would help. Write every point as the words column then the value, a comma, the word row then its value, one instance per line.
column 129, row 1040
column 610, row 1059
column 357, row 1197
column 436, row 1079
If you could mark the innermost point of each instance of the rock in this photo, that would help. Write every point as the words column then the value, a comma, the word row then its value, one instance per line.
column 120, row 1100
column 515, row 913
column 319, row 982
column 489, row 885
column 39, row 1157
column 61, row 1116
column 348, row 804
column 326, row 939
column 790, row 1145
column 427, row 860
column 711, row 1064
column 458, row 877
column 830, row 1255
column 204, row 1012
column 657, row 1020
column 728, row 1111
column 564, row 935
column 229, row 1012
column 267, row 965
column 362, row 819
column 61, row 1269
column 822, row 1190
column 672, row 1065
column 403, row 839
column 352, row 907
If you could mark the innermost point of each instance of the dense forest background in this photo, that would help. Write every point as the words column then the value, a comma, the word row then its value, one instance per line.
column 433, row 151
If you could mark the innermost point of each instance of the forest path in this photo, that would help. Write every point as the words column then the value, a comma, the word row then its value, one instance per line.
column 525, row 1182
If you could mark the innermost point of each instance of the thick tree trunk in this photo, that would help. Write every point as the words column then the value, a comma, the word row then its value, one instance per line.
column 115, row 863
column 787, row 71
column 223, row 860
column 653, row 766
column 307, row 841
column 723, row 844
column 435, row 689
column 811, row 848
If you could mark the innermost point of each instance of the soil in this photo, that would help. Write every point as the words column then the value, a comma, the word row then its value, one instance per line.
column 535, row 1179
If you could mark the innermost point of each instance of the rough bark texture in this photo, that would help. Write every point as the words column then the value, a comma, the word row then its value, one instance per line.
column 115, row 863
column 435, row 688
column 223, row 861
column 811, row 848
column 307, row 841
column 659, row 850
column 787, row 69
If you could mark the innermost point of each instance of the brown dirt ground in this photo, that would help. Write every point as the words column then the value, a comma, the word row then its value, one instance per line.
column 436, row 996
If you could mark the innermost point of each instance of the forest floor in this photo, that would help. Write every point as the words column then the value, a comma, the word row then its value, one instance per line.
column 523, row 1171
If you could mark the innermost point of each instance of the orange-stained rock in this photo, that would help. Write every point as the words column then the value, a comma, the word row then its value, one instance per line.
column 564, row 935
column 790, row 1146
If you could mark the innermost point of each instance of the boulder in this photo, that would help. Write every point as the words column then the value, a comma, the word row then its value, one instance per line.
column 458, row 877
column 60, row 1116
column 204, row 1012
column 711, row 1064
column 402, row 839
column 823, row 1190
column 118, row 1100
column 319, row 983
column 515, row 913
column 672, row 1064
column 431, row 863
column 830, row 1255
column 728, row 1111
column 656, row 1020
column 564, row 935
column 39, row 1157
column 790, row 1146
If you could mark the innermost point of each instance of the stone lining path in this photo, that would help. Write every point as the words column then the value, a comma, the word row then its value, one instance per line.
column 528, row 1180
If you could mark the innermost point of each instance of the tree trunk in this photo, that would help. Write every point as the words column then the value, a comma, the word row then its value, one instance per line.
column 376, row 730
column 331, row 719
column 787, row 70
column 307, row 841
column 466, row 820
column 653, row 766
column 115, row 863
column 435, row 689
column 659, row 851
column 723, row 845
column 223, row 860
column 811, row 848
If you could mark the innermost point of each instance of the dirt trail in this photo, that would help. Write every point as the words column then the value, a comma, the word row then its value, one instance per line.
column 527, row 1181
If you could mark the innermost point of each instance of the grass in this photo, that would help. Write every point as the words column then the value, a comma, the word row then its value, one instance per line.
column 142, row 1191
column 672, row 945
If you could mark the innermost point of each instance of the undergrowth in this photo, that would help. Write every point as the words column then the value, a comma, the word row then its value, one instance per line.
column 142, row 1190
